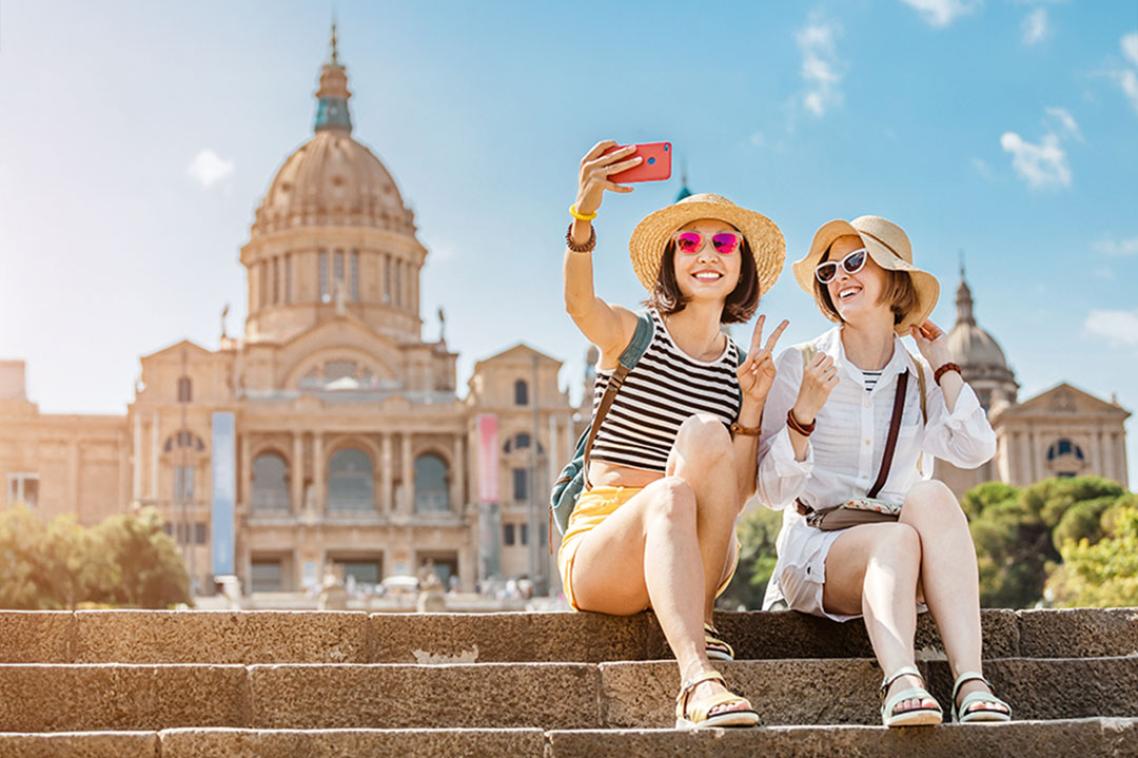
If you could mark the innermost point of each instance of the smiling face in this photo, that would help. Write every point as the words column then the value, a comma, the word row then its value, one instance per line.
column 855, row 295
column 707, row 274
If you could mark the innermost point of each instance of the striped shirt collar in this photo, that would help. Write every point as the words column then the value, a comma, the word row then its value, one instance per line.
column 831, row 344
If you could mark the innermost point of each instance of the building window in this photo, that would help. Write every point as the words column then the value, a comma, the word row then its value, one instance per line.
column 521, row 441
column 182, row 440
column 398, row 282
column 288, row 279
column 1065, row 458
column 270, row 484
column 361, row 572
column 263, row 285
column 267, row 576
column 354, row 282
column 521, row 392
column 338, row 269
column 351, row 482
column 387, row 279
column 185, row 390
column 325, row 290
column 181, row 532
column 24, row 489
column 276, row 280
column 432, row 494
column 508, row 535
column 525, row 533
column 183, row 484
column 521, row 488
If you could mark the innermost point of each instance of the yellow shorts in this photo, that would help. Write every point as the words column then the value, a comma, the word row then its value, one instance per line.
column 594, row 506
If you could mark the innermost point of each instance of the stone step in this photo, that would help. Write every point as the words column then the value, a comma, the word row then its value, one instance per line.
column 1083, row 737
column 70, row 697
column 250, row 637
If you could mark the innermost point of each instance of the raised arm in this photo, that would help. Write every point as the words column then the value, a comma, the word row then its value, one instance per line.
column 606, row 326
column 756, row 375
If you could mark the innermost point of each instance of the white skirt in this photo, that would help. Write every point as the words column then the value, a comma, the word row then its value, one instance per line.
column 799, row 576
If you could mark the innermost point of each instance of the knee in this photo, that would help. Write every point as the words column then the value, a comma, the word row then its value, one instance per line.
column 898, row 545
column 673, row 500
column 703, row 436
column 931, row 497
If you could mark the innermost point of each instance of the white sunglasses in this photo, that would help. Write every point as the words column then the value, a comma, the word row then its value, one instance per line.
column 852, row 263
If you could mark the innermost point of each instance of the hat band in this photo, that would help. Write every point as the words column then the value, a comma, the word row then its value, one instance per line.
column 883, row 242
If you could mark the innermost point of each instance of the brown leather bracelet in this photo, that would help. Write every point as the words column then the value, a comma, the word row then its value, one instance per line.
column 750, row 431
column 945, row 369
column 804, row 429
column 590, row 243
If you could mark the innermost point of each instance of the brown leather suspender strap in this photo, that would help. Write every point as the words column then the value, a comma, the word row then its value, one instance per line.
column 890, row 443
column 894, row 430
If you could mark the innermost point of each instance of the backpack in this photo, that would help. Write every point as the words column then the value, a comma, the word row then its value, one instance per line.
column 573, row 479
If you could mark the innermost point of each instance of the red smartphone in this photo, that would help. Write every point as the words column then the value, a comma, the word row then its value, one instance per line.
column 656, row 167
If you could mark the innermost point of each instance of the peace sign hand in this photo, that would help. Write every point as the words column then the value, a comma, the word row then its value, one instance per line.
column 756, row 374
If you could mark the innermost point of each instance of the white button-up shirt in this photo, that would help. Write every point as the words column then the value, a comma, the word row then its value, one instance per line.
column 844, row 453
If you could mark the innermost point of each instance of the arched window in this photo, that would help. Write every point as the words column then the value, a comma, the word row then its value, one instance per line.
column 270, row 484
column 521, row 392
column 1065, row 458
column 185, row 390
column 351, row 481
column 184, row 439
column 432, row 492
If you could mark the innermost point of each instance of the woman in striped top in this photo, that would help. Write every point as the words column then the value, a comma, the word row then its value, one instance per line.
column 823, row 443
column 675, row 456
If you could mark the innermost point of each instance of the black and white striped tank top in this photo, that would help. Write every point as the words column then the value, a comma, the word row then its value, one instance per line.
column 658, row 395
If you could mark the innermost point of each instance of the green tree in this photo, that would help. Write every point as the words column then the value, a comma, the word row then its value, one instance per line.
column 21, row 534
column 147, row 570
column 1101, row 574
column 758, row 530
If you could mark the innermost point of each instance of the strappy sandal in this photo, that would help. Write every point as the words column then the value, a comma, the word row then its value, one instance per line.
column 966, row 712
column 698, row 718
column 914, row 716
column 717, row 649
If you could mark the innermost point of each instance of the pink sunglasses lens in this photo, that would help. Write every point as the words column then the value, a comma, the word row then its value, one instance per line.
column 688, row 242
column 725, row 242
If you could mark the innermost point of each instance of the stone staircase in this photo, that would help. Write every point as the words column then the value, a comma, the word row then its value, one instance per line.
column 268, row 683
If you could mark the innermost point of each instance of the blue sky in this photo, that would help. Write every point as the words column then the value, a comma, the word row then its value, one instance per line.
column 1007, row 130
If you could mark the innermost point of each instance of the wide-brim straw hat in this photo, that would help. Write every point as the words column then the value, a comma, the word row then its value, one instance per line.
column 888, row 246
column 654, row 232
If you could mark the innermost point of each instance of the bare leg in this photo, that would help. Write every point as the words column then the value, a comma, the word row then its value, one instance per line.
column 872, row 569
column 949, row 576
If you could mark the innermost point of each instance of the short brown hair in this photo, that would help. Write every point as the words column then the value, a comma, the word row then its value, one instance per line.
column 740, row 305
column 899, row 293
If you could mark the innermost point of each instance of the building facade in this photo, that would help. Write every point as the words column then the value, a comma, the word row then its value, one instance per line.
column 352, row 448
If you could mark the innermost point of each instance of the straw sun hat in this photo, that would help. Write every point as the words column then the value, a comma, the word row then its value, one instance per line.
column 888, row 246
column 654, row 232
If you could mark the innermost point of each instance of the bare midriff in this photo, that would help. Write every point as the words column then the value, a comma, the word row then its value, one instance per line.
column 602, row 473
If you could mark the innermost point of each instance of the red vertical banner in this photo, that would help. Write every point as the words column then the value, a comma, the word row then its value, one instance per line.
column 487, row 425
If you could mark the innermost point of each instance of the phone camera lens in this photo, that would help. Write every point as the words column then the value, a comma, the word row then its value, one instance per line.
column 651, row 161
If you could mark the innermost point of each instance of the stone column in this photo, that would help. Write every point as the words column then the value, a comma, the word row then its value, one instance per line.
column 154, row 455
column 467, row 567
column 296, row 471
column 318, row 482
column 457, row 477
column 386, row 472
column 136, row 459
column 1109, row 457
column 1033, row 457
column 408, row 504
column 246, row 496
column 1098, row 463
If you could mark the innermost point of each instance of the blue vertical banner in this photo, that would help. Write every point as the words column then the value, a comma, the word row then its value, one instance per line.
column 223, row 516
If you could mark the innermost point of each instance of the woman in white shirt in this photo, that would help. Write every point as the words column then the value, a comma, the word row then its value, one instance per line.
column 823, row 439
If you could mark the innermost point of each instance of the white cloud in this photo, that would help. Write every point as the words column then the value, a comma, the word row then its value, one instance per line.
column 1117, row 327
column 1118, row 246
column 1066, row 122
column 941, row 12
column 820, row 65
column 209, row 168
column 1129, row 46
column 1042, row 165
column 1128, row 81
column 1035, row 27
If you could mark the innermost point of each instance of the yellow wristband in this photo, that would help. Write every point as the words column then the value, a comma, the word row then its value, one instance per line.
column 581, row 216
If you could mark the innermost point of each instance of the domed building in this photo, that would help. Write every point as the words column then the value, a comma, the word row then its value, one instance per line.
column 1062, row 431
column 328, row 438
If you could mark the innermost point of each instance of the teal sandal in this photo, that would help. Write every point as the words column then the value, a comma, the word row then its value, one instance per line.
column 913, row 716
column 717, row 649
column 967, row 713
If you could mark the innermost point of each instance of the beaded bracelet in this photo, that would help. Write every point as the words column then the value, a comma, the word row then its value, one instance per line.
column 945, row 369
column 589, row 244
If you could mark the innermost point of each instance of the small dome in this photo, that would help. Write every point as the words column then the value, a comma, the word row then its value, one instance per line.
column 331, row 179
column 972, row 346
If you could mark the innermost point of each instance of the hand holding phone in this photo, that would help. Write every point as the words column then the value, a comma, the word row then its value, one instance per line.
column 656, row 165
